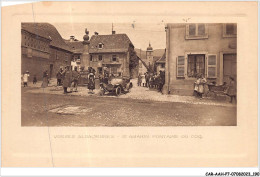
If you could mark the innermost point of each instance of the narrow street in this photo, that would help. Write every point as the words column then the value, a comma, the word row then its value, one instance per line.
column 45, row 108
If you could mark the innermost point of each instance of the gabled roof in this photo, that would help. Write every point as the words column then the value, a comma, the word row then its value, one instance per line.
column 46, row 30
column 156, row 58
column 111, row 43
column 162, row 59
column 75, row 46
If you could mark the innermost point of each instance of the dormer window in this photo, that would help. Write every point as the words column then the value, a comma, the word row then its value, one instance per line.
column 100, row 45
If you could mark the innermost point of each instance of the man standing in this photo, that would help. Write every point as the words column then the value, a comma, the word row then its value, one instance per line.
column 67, row 75
column 139, row 80
column 147, row 79
column 59, row 77
column 75, row 78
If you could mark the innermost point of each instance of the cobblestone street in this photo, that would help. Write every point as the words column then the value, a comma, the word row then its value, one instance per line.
column 137, row 93
column 140, row 107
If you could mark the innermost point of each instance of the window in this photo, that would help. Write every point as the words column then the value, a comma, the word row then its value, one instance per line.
column 100, row 45
column 196, row 65
column 163, row 65
column 114, row 58
column 212, row 66
column 100, row 57
column 197, row 31
column 230, row 30
column 180, row 66
column 114, row 70
column 91, row 58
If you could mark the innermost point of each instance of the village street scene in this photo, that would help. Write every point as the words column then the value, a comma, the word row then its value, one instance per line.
column 128, row 74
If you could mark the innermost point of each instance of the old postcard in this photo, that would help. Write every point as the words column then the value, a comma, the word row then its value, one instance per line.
column 129, row 84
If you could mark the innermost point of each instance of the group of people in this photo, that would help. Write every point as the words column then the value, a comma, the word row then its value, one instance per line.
column 152, row 80
column 68, row 78
column 25, row 79
column 230, row 87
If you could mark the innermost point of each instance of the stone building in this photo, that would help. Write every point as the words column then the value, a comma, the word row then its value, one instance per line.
column 42, row 48
column 77, row 49
column 160, row 64
column 147, row 62
column 192, row 49
column 112, row 53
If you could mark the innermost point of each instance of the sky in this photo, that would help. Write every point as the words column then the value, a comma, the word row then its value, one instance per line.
column 139, row 34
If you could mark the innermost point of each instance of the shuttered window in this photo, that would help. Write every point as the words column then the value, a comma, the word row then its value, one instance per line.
column 197, row 31
column 212, row 66
column 180, row 66
column 114, row 58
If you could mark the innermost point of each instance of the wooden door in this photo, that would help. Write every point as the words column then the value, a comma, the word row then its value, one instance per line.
column 230, row 67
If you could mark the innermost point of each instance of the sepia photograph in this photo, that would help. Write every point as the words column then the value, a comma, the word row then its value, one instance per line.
column 130, row 84
column 161, row 74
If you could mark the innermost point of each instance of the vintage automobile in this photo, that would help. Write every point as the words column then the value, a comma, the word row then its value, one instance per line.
column 116, row 85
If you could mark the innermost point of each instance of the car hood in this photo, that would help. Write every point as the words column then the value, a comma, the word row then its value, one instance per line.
column 115, row 81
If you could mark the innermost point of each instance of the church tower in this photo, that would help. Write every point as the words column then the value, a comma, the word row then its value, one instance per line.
column 149, row 55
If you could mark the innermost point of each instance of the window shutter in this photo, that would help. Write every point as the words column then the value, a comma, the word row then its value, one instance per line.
column 212, row 66
column 180, row 66
column 117, row 58
column 187, row 32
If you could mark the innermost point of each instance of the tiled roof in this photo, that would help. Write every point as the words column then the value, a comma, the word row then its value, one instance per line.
column 111, row 43
column 156, row 58
column 75, row 46
column 48, row 31
column 162, row 59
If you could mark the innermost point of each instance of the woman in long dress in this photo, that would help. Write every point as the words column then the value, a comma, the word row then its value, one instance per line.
column 45, row 79
column 143, row 80
column 67, row 77
column 91, row 83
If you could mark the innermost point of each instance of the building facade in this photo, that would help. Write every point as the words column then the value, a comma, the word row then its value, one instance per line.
column 111, row 53
column 77, row 49
column 147, row 62
column 43, row 49
column 160, row 64
column 193, row 49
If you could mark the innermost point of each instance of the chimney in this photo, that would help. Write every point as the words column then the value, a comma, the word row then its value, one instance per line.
column 72, row 38
column 113, row 32
column 96, row 33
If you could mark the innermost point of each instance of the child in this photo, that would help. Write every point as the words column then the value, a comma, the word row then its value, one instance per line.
column 199, row 86
column 25, row 79
column 34, row 79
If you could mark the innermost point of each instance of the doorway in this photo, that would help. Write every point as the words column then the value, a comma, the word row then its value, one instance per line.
column 229, row 67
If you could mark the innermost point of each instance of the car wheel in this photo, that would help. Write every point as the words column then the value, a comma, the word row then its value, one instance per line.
column 118, row 91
